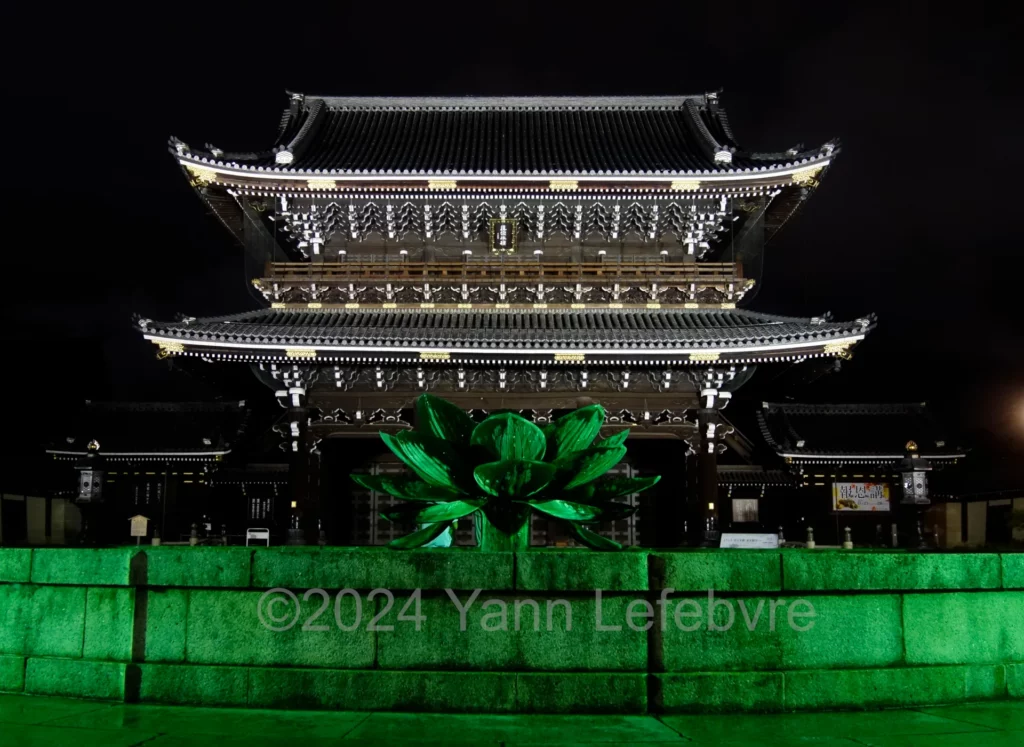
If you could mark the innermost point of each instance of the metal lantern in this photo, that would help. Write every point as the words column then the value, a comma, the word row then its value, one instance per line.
column 915, row 471
column 90, row 475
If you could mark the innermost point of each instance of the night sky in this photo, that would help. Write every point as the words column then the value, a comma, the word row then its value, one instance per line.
column 916, row 221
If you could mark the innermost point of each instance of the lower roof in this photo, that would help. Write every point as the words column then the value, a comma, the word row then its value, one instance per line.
column 510, row 333
column 186, row 431
column 870, row 432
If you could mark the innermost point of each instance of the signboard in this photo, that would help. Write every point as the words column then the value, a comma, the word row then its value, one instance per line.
column 860, row 496
column 750, row 541
column 140, row 526
column 503, row 235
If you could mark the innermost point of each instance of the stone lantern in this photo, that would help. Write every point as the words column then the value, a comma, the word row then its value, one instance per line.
column 914, row 470
column 90, row 475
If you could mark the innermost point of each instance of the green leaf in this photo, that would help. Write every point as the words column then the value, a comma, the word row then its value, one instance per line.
column 513, row 478
column 574, row 431
column 615, row 440
column 406, row 487
column 509, row 436
column 420, row 537
column 611, row 512
column 434, row 460
column 439, row 418
column 437, row 512
column 567, row 510
column 584, row 466
column 593, row 539
column 607, row 488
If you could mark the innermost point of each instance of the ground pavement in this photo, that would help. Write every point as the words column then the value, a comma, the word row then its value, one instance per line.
column 27, row 721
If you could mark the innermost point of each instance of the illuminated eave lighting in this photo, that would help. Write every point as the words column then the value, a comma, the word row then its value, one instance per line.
column 847, row 457
column 280, row 349
column 664, row 179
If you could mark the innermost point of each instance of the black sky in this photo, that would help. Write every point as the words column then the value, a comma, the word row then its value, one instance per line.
column 917, row 221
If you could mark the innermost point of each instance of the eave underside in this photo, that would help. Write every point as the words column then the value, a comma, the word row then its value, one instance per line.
column 596, row 335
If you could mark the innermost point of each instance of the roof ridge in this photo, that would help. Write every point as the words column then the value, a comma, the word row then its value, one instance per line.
column 157, row 405
column 843, row 408
column 507, row 102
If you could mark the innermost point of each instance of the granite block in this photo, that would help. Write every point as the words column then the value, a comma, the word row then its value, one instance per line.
column 75, row 678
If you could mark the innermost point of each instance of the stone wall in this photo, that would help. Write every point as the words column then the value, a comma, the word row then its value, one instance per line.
column 180, row 625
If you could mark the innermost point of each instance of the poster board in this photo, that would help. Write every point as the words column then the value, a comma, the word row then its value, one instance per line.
column 860, row 496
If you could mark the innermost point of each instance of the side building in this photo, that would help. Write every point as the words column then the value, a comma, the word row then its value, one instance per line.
column 851, row 463
column 152, row 459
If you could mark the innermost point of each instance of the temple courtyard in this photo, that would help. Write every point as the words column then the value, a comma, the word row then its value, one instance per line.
column 26, row 720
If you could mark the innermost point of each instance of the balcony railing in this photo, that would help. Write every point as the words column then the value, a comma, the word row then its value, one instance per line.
column 508, row 270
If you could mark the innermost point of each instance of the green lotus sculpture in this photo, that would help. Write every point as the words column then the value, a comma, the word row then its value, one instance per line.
column 500, row 470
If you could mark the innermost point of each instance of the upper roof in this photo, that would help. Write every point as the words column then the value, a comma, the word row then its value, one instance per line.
column 509, row 332
column 848, row 432
column 510, row 136
column 154, row 430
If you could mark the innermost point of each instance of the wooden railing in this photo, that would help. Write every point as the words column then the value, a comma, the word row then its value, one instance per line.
column 507, row 270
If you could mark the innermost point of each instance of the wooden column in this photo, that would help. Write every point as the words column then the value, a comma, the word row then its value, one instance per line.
column 295, row 429
column 704, row 509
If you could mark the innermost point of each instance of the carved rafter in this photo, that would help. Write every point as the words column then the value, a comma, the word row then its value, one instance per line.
column 313, row 220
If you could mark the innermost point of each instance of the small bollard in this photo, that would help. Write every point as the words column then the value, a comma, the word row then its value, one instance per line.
column 323, row 538
column 193, row 537
column 224, row 534
column 782, row 537
column 810, row 538
column 921, row 544
column 847, row 539
column 895, row 536
column 155, row 541
column 935, row 536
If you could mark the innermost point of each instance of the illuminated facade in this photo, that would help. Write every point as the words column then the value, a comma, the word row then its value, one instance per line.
column 529, row 254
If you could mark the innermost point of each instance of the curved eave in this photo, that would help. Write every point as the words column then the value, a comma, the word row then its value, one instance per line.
column 233, row 174
column 154, row 456
column 797, row 456
column 686, row 355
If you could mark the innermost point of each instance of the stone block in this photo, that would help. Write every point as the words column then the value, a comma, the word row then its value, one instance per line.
column 380, row 568
column 1013, row 570
column 223, row 567
column 583, row 647
column 581, row 570
column 964, row 627
column 55, row 624
column 225, row 627
column 377, row 690
column 862, row 630
column 193, row 685
column 827, row 570
column 691, row 645
column 165, row 616
column 492, row 641
column 109, row 622
column 581, row 692
column 441, row 643
column 721, row 692
column 897, row 687
column 15, row 613
column 75, row 678
column 83, row 567
column 12, row 674
column 720, row 570
column 1015, row 680
column 15, row 565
